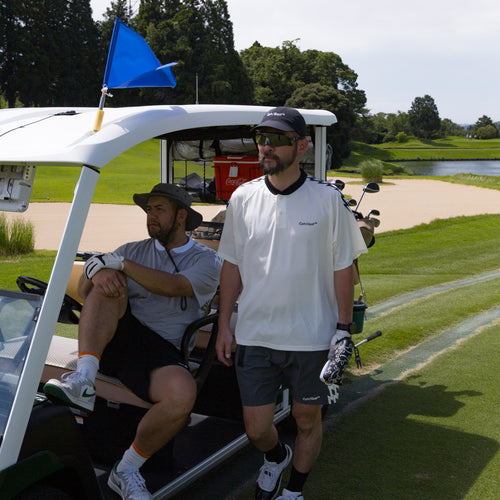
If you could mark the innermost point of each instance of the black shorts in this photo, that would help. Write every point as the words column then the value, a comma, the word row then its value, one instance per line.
column 134, row 352
column 261, row 371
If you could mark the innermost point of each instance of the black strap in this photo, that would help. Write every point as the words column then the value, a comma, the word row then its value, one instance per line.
column 183, row 299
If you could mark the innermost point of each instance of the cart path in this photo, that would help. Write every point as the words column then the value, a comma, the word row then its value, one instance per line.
column 393, row 371
column 388, row 305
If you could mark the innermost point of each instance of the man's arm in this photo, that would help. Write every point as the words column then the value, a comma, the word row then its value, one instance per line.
column 344, row 291
column 158, row 282
column 230, row 287
column 341, row 345
column 111, row 282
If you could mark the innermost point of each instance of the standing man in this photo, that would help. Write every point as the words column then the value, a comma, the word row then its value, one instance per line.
column 288, row 245
column 138, row 302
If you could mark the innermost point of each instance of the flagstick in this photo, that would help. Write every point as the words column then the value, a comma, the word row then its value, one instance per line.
column 100, row 111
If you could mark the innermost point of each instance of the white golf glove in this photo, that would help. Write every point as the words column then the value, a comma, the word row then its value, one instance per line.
column 337, row 337
column 102, row 261
column 341, row 349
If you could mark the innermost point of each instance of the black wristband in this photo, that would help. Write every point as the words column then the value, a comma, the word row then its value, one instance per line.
column 347, row 327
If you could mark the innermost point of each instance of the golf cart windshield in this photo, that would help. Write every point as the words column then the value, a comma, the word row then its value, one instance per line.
column 18, row 315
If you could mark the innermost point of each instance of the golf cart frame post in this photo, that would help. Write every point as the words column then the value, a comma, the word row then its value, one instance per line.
column 30, row 137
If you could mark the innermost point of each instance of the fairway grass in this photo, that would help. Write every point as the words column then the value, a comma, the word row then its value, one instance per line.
column 434, row 435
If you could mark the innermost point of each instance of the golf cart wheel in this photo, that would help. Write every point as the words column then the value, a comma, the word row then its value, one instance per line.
column 43, row 492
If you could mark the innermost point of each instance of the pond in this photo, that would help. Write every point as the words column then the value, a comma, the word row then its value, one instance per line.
column 481, row 167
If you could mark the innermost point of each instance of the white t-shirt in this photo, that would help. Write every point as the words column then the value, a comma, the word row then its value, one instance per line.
column 198, row 263
column 287, row 247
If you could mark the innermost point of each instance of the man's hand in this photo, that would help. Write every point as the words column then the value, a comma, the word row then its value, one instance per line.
column 111, row 283
column 224, row 346
column 341, row 349
column 102, row 261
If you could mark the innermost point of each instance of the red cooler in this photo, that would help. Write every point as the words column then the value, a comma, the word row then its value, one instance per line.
column 231, row 171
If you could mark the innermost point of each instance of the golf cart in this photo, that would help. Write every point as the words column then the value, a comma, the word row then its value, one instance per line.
column 46, row 449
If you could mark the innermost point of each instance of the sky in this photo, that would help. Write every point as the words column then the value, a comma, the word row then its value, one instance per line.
column 448, row 49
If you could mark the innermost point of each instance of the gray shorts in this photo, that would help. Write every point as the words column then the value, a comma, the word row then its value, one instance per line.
column 261, row 371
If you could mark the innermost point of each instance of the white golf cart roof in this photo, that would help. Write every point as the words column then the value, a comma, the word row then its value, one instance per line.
column 65, row 136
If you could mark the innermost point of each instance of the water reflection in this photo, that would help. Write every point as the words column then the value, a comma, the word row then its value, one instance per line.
column 489, row 167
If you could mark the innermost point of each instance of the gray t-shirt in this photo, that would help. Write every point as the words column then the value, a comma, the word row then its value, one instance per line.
column 198, row 263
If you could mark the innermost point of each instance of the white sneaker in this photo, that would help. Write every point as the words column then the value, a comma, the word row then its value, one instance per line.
column 129, row 484
column 74, row 389
column 290, row 495
column 270, row 475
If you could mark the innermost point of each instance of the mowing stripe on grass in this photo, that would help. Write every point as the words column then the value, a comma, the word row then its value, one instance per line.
column 402, row 300
column 392, row 371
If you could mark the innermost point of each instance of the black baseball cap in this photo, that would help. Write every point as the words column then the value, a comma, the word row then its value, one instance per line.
column 286, row 119
column 176, row 193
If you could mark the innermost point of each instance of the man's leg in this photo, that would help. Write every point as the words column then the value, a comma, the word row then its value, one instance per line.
column 98, row 321
column 173, row 392
column 259, row 426
column 263, row 434
column 97, row 326
column 307, row 446
column 309, row 435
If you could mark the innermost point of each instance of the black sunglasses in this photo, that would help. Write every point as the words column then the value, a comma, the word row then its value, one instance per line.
column 274, row 139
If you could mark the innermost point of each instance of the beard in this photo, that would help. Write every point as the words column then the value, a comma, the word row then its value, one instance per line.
column 162, row 234
column 280, row 164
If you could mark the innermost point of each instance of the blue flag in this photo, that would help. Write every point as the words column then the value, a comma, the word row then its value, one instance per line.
column 132, row 63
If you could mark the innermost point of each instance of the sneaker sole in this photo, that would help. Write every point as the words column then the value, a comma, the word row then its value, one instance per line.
column 60, row 394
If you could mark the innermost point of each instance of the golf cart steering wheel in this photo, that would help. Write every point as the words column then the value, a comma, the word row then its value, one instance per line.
column 69, row 305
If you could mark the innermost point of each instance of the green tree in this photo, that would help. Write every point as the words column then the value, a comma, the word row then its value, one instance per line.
column 483, row 122
column 56, row 53
column 397, row 123
column 272, row 72
column 310, row 79
column 487, row 132
column 11, row 35
column 448, row 128
column 317, row 96
column 278, row 72
column 85, row 55
column 328, row 69
column 382, row 127
column 371, row 129
column 424, row 117
column 199, row 36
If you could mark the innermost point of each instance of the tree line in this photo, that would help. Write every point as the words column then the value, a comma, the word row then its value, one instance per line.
column 422, row 121
column 52, row 53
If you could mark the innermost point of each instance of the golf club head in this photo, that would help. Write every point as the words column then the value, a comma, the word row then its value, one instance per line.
column 352, row 202
column 373, row 212
column 376, row 222
column 372, row 187
column 340, row 184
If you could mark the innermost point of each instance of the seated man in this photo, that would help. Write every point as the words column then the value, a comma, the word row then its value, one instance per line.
column 138, row 301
